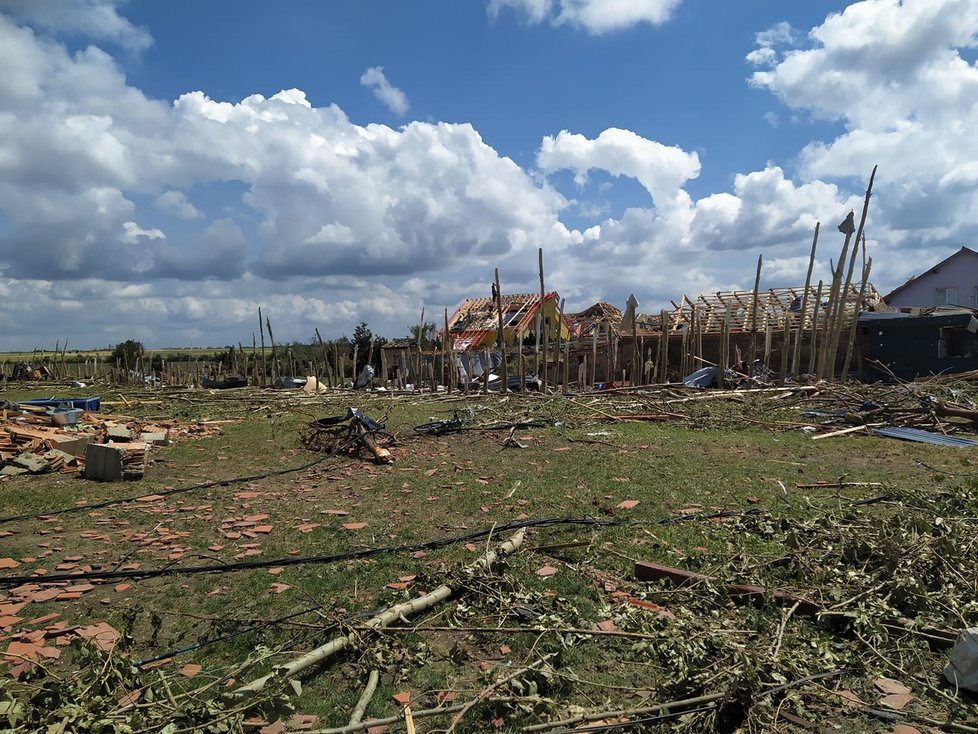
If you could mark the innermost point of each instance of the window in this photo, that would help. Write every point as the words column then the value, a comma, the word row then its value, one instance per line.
column 946, row 297
column 956, row 341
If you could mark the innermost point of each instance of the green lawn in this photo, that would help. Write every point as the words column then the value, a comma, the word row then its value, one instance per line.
column 906, row 558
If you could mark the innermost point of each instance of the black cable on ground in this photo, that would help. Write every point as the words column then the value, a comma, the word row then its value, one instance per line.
column 298, row 560
column 265, row 624
column 146, row 573
column 229, row 636
column 180, row 490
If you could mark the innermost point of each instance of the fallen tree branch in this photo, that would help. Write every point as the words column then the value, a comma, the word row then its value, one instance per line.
column 838, row 485
column 422, row 714
column 531, row 630
column 418, row 604
column 645, row 571
column 944, row 410
column 357, row 716
column 622, row 713
column 781, row 628
column 457, row 719
column 651, row 417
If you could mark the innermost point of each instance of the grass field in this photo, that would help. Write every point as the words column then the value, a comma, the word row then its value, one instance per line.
column 562, row 628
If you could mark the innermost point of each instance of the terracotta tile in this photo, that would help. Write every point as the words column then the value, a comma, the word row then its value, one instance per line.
column 45, row 594
column 302, row 722
column 897, row 701
column 10, row 609
column 45, row 618
column 129, row 699
column 21, row 649
column 889, row 685
column 101, row 633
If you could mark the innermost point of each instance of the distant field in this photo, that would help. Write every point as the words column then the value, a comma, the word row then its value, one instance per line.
column 83, row 354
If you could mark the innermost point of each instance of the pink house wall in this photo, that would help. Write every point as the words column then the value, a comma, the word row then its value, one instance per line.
column 958, row 271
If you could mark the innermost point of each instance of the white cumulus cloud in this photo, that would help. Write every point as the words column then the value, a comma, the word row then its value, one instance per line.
column 80, row 146
column 176, row 203
column 780, row 34
column 98, row 19
column 131, row 232
column 395, row 100
column 898, row 75
column 337, row 233
column 661, row 169
column 387, row 220
column 594, row 16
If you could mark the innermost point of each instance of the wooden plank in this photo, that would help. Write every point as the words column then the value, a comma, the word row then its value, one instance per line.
column 844, row 431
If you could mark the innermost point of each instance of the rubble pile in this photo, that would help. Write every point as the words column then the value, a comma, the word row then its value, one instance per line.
column 32, row 443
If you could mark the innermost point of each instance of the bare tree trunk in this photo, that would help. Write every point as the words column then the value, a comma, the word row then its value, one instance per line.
column 753, row 318
column 261, row 331
column 501, row 336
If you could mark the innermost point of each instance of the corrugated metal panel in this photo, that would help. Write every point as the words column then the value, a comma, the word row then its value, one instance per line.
column 915, row 434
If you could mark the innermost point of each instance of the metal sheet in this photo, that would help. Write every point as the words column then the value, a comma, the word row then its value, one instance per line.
column 915, row 434
column 703, row 377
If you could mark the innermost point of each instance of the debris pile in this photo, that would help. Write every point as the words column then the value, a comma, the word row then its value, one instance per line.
column 31, row 442
column 348, row 433
column 925, row 412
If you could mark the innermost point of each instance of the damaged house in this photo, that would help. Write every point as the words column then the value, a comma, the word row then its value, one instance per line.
column 526, row 323
column 907, row 346
column 935, row 330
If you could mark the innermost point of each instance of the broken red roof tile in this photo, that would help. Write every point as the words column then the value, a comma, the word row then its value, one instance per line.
column 102, row 634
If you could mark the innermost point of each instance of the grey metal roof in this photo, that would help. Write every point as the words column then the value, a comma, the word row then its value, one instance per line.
column 915, row 434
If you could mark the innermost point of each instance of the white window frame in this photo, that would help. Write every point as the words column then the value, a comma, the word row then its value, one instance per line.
column 946, row 297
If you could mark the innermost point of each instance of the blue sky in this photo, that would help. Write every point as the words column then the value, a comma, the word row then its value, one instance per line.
column 683, row 82
column 166, row 168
